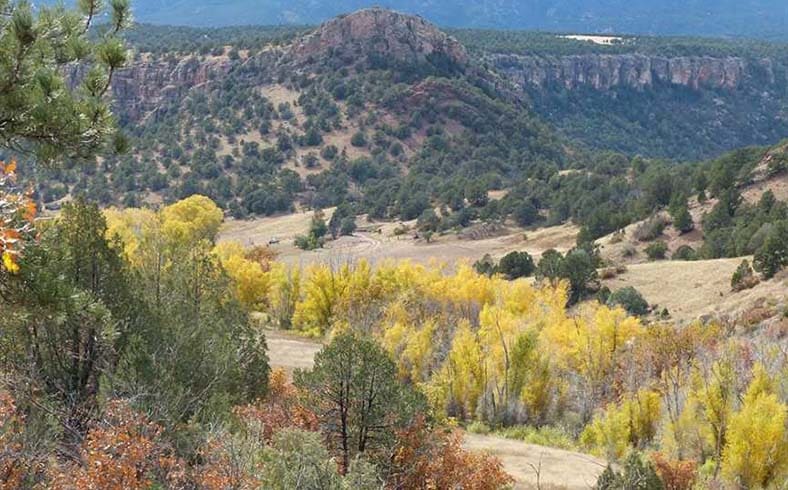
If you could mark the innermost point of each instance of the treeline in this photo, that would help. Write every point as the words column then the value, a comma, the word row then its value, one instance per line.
column 182, row 40
column 556, row 44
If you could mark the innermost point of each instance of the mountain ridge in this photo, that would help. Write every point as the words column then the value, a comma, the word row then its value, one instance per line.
column 754, row 18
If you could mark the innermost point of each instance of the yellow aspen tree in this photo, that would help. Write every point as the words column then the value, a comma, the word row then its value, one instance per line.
column 323, row 291
column 714, row 390
column 418, row 353
column 756, row 446
column 630, row 424
column 464, row 369
column 252, row 283
column 284, row 294
column 191, row 220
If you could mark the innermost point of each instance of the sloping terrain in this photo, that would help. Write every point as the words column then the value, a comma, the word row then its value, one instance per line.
column 378, row 241
column 690, row 290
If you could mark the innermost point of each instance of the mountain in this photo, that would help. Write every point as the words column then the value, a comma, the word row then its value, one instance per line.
column 376, row 106
column 673, row 97
column 678, row 98
column 751, row 18
column 383, row 113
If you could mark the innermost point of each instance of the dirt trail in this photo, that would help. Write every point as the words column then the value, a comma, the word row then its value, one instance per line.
column 290, row 352
column 559, row 468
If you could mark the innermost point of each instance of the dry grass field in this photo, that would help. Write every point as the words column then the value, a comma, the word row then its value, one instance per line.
column 378, row 242
column 690, row 290
column 557, row 468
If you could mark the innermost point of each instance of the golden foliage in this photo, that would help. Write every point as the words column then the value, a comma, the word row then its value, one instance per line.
column 191, row 220
column 17, row 214
column 756, row 447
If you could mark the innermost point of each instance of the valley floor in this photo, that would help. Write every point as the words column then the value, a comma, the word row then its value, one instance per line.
column 377, row 242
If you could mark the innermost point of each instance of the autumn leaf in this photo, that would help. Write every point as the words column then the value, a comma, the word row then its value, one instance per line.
column 9, row 263
column 9, row 168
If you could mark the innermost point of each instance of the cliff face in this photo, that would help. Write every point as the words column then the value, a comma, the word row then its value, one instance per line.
column 379, row 35
column 145, row 86
column 603, row 72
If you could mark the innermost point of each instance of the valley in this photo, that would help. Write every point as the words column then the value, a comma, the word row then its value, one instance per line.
column 381, row 253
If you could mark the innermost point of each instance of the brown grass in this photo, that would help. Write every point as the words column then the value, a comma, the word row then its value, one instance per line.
column 385, row 245
column 690, row 290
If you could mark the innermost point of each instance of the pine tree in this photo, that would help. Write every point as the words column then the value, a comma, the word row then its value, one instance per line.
column 41, row 113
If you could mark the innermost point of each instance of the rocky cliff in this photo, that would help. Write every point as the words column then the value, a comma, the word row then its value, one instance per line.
column 379, row 32
column 147, row 85
column 603, row 72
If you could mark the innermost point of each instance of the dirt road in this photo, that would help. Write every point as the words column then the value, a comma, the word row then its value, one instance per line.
column 559, row 468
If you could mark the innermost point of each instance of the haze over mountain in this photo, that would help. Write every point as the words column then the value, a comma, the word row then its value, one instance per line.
column 751, row 18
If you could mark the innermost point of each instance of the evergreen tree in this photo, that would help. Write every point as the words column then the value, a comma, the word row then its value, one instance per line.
column 39, row 110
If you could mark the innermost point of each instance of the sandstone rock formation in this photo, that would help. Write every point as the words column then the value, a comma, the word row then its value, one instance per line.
column 603, row 72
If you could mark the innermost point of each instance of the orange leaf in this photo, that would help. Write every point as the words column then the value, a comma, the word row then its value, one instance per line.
column 30, row 211
column 10, row 168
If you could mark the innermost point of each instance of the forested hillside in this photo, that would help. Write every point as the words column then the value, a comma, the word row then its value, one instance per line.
column 389, row 116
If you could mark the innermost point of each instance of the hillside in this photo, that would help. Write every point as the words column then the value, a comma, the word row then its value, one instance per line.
column 755, row 18
column 326, row 118
column 388, row 113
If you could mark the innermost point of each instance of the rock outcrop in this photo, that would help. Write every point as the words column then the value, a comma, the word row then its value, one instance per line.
column 145, row 86
column 376, row 31
column 603, row 72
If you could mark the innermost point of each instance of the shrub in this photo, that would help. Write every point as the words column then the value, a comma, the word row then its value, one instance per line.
column 608, row 273
column 359, row 139
column 630, row 299
column 526, row 214
column 348, row 226
column 516, row 265
column 629, row 250
column 547, row 436
column 675, row 474
column 682, row 220
column 650, row 229
column 477, row 427
column 657, row 250
column 636, row 475
column 773, row 255
column 744, row 277
column 428, row 221
column 485, row 266
column 685, row 252
column 401, row 230
column 603, row 295
column 329, row 152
